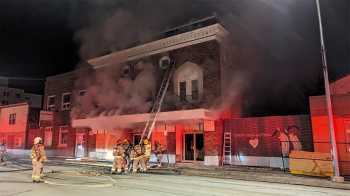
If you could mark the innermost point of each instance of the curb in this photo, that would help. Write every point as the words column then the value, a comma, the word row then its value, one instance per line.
column 272, row 178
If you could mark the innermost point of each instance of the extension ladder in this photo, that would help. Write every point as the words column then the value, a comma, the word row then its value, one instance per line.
column 158, row 101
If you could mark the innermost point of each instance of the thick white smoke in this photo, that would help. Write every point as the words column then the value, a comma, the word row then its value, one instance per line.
column 109, row 93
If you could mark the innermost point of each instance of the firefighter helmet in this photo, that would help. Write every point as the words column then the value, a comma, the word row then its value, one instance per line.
column 126, row 141
column 145, row 141
column 37, row 140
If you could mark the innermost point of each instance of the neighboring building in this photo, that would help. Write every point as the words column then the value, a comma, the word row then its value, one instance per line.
column 13, row 95
column 340, row 90
column 4, row 81
column 267, row 141
column 186, row 126
column 16, row 121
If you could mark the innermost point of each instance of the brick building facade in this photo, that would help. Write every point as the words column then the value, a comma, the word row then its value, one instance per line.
column 187, row 126
column 16, row 123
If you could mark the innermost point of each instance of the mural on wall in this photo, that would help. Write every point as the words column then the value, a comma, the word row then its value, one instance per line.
column 270, row 136
column 289, row 139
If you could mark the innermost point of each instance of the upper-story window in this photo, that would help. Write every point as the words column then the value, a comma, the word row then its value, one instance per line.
column 188, row 82
column 12, row 119
column 66, row 101
column 82, row 93
column 51, row 103
column 195, row 90
column 126, row 70
column 6, row 93
column 182, row 92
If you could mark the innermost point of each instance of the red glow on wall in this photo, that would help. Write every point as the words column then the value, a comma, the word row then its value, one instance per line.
column 321, row 134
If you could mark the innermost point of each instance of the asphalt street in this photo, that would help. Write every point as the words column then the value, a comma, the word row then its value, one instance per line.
column 75, row 181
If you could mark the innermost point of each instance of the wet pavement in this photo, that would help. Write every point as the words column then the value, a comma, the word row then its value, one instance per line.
column 71, row 180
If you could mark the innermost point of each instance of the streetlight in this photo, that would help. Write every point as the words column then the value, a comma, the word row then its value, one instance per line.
column 334, row 151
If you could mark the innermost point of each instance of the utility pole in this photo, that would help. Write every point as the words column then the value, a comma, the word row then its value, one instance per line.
column 334, row 151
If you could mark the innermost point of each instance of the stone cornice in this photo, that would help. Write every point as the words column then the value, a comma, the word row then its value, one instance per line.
column 205, row 34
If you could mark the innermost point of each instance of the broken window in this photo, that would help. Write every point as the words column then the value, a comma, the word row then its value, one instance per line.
column 66, row 101
column 51, row 101
column 195, row 90
column 183, row 91
column 12, row 119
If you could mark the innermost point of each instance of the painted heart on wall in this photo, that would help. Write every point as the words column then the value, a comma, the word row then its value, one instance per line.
column 254, row 142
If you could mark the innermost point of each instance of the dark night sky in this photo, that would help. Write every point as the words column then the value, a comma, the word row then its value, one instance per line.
column 40, row 37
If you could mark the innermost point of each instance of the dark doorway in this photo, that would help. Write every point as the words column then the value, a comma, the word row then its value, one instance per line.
column 194, row 147
column 137, row 139
column 199, row 147
column 189, row 147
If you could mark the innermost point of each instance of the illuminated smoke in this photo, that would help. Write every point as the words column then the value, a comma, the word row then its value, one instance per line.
column 108, row 93
column 271, row 52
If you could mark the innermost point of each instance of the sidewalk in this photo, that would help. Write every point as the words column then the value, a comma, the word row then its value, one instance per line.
column 230, row 172
column 240, row 173
column 262, row 175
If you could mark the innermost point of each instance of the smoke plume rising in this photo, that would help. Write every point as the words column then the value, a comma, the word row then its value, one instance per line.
column 271, row 52
column 109, row 93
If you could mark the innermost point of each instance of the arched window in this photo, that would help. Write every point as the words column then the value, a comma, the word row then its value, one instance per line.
column 188, row 82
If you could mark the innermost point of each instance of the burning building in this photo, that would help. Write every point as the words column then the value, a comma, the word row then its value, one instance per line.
column 111, row 99
column 199, row 120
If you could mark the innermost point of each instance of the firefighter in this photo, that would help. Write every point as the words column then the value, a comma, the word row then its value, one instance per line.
column 3, row 153
column 158, row 152
column 138, row 159
column 127, row 151
column 118, row 153
column 38, row 157
column 147, row 150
